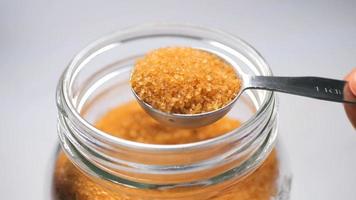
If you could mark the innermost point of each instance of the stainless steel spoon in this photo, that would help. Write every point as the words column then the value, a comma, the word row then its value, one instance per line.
column 314, row 87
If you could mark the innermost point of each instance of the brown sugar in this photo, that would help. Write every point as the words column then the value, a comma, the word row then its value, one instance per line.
column 129, row 121
column 70, row 183
column 184, row 80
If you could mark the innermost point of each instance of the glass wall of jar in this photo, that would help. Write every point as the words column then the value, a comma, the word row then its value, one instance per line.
column 241, row 164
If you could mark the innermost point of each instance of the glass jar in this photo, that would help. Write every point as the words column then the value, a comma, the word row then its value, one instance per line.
column 242, row 164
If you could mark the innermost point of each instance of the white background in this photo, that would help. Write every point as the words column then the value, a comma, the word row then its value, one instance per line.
column 38, row 39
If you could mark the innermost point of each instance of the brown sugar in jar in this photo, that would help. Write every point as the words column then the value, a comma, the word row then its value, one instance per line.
column 130, row 122
column 111, row 149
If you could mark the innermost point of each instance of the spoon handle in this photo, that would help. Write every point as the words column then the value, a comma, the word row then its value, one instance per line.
column 314, row 87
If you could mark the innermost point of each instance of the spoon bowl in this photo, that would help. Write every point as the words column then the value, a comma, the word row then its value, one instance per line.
column 186, row 120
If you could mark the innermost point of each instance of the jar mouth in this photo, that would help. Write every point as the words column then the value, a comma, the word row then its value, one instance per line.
column 66, row 106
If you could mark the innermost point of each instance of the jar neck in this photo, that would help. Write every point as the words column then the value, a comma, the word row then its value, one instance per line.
column 232, row 155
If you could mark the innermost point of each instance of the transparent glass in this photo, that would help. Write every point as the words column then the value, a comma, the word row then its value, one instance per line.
column 241, row 164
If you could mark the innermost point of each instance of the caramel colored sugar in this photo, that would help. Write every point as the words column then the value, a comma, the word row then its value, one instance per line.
column 184, row 80
column 72, row 184
column 129, row 121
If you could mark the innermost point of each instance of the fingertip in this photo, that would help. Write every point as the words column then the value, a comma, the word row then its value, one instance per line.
column 351, row 78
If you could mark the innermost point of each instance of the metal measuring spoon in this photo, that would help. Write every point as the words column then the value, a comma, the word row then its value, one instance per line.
column 314, row 87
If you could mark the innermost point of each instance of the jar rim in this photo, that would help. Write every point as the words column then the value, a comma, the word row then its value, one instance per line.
column 63, row 91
